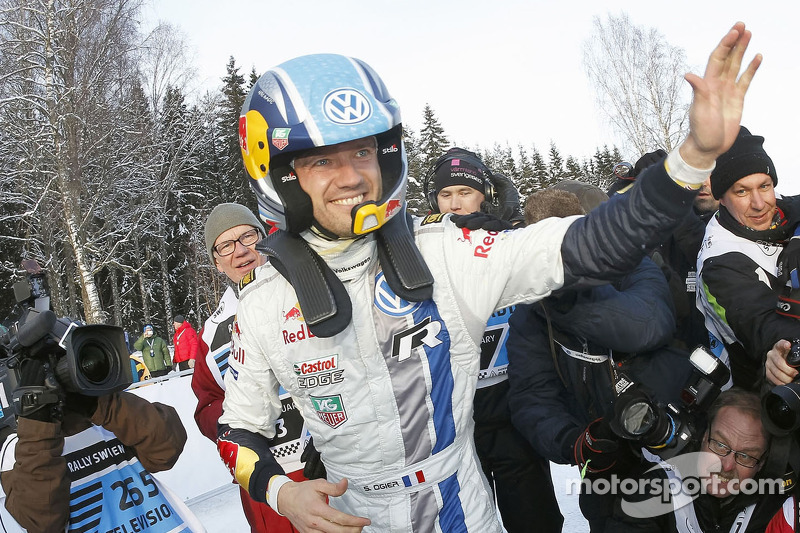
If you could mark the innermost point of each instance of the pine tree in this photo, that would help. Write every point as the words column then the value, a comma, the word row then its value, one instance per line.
column 416, row 203
column 525, row 178
column 432, row 140
column 540, row 172
column 555, row 166
column 232, row 168
column 573, row 169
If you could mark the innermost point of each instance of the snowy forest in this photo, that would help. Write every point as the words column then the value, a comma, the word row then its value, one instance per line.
column 109, row 167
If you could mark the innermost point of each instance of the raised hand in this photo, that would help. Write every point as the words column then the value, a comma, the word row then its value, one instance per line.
column 716, row 109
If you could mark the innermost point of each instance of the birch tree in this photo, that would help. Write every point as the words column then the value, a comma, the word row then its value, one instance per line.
column 638, row 79
column 72, row 64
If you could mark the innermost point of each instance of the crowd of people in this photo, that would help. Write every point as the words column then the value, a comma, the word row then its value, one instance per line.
column 427, row 370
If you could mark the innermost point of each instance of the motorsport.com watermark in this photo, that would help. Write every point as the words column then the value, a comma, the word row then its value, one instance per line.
column 655, row 496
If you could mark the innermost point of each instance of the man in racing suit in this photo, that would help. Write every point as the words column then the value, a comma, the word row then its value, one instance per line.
column 383, row 370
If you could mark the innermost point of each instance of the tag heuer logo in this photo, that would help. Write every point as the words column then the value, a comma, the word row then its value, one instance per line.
column 330, row 409
column 280, row 138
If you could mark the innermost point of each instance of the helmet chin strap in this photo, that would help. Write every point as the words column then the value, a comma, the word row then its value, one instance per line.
column 403, row 266
column 322, row 297
column 326, row 306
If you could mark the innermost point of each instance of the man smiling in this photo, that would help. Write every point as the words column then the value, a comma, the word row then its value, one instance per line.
column 337, row 178
column 738, row 279
column 372, row 319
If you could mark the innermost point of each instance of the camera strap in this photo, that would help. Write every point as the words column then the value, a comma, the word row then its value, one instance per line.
column 584, row 355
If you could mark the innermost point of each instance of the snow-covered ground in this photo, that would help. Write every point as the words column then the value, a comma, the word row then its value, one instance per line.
column 221, row 512
column 203, row 482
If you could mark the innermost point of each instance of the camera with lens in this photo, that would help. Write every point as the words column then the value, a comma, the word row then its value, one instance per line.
column 780, row 407
column 666, row 428
column 89, row 360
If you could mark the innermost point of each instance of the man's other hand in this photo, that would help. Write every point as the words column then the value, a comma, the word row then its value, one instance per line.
column 305, row 504
column 778, row 371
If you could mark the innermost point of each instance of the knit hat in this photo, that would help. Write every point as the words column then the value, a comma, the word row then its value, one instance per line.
column 590, row 196
column 146, row 327
column 745, row 157
column 224, row 217
column 458, row 172
column 179, row 319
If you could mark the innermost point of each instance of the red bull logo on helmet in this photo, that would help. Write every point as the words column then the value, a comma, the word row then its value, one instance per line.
column 392, row 207
column 243, row 134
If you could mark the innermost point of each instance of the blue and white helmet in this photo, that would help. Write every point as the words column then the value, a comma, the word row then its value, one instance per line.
column 313, row 101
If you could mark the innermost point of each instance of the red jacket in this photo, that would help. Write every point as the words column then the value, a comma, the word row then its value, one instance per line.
column 186, row 343
column 261, row 517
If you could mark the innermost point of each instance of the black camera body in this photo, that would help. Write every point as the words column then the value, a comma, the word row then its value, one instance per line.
column 667, row 428
column 780, row 407
column 89, row 360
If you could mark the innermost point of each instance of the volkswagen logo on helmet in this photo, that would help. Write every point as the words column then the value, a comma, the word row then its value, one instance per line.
column 346, row 106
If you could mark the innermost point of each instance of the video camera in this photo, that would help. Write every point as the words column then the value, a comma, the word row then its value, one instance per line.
column 667, row 428
column 90, row 360
column 780, row 407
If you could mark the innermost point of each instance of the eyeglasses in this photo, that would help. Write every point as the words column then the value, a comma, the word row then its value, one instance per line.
column 747, row 461
column 248, row 238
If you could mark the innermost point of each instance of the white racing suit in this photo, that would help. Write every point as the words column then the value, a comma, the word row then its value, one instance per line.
column 389, row 400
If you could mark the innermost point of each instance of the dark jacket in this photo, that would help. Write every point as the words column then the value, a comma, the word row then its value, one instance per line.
column 745, row 295
column 155, row 354
column 713, row 514
column 632, row 319
column 679, row 255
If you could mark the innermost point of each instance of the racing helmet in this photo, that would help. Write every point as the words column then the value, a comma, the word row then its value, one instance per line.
column 312, row 101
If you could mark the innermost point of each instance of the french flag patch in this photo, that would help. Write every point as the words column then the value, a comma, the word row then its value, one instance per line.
column 414, row 479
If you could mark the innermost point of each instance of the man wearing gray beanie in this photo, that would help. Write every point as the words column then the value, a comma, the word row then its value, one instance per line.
column 231, row 234
column 744, row 263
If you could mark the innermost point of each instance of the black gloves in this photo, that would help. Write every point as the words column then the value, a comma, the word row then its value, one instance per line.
column 789, row 277
column 480, row 220
column 507, row 198
column 38, row 396
column 597, row 450
column 313, row 469
column 84, row 406
column 650, row 158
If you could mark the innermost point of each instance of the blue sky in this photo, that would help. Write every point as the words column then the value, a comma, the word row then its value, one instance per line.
column 502, row 71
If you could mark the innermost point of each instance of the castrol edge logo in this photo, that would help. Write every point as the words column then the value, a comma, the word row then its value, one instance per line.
column 318, row 372
column 313, row 366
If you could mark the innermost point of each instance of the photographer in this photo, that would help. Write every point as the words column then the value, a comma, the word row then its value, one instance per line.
column 102, row 446
column 746, row 261
column 719, row 489
column 567, row 352
column 77, row 451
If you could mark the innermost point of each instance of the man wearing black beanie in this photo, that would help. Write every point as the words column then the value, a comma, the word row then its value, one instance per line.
column 743, row 264
column 460, row 183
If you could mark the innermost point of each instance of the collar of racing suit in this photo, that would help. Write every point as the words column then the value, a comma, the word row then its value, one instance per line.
column 348, row 258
